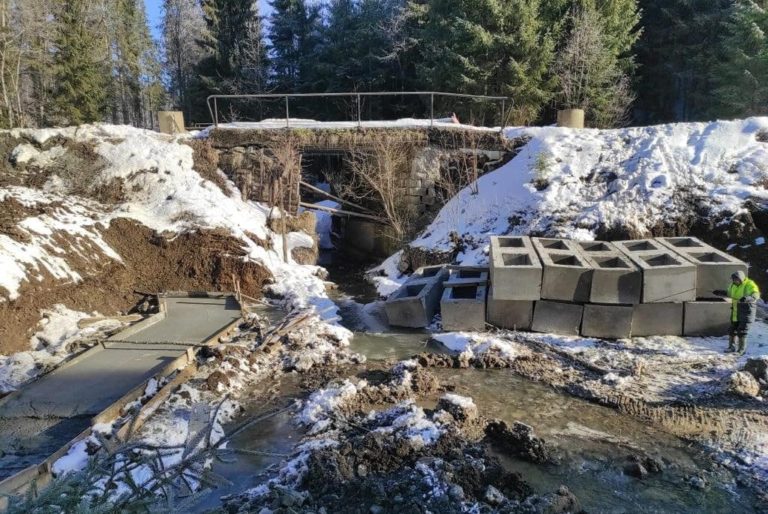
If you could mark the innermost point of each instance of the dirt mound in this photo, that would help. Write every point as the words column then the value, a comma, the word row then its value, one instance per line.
column 152, row 262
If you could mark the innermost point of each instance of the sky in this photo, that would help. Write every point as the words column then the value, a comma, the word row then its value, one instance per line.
column 155, row 12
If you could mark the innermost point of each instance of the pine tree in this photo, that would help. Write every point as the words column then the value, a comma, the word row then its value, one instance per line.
column 135, row 63
column 80, row 76
column 236, row 53
column 183, row 27
column 590, row 73
column 676, row 54
column 295, row 36
column 740, row 79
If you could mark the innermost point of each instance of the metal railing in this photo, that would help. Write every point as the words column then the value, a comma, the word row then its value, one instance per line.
column 213, row 107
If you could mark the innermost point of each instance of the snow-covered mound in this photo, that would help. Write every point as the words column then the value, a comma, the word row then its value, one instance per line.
column 576, row 183
column 52, row 231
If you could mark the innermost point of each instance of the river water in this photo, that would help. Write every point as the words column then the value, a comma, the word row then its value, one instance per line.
column 591, row 443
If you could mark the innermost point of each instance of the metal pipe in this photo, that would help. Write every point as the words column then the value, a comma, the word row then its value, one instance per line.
column 216, row 111
column 359, row 117
column 287, row 115
column 431, row 109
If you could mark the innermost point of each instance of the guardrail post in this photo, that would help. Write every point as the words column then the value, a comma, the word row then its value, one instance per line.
column 215, row 112
column 359, row 116
column 503, row 117
column 287, row 115
column 431, row 109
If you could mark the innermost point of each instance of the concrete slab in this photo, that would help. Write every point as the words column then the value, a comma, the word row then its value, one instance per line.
column 567, row 273
column 462, row 307
column 515, row 269
column 418, row 300
column 657, row 319
column 713, row 267
column 557, row 317
column 615, row 279
column 707, row 317
column 607, row 321
column 509, row 314
column 47, row 413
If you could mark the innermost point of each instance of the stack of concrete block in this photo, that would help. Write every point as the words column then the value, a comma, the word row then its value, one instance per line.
column 516, row 275
column 707, row 315
column 667, row 276
column 463, row 303
column 416, row 302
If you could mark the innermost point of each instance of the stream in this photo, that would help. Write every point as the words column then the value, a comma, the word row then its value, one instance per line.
column 591, row 443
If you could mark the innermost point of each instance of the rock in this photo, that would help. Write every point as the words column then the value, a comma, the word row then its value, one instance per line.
column 653, row 465
column 635, row 469
column 519, row 441
column 758, row 368
column 697, row 482
column 216, row 379
column 744, row 384
column 376, row 509
column 493, row 496
column 460, row 407
column 456, row 492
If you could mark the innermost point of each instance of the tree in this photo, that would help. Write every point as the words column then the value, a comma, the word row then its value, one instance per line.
column 590, row 74
column 740, row 78
column 676, row 54
column 135, row 62
column 182, row 28
column 81, row 76
column 295, row 36
column 235, row 51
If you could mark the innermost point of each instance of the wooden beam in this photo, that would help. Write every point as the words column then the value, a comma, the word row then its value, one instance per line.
column 333, row 197
column 343, row 212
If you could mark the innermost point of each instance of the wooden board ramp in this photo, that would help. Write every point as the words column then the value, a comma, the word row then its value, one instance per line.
column 40, row 422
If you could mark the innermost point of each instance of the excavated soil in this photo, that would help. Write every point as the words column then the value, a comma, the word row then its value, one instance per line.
column 152, row 262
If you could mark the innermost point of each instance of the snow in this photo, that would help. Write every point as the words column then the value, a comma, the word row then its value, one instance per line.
column 475, row 344
column 318, row 410
column 631, row 177
column 462, row 401
column 279, row 123
column 324, row 224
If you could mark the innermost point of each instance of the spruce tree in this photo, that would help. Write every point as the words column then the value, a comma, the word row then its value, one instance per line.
column 235, row 51
column 740, row 79
column 295, row 36
column 80, row 77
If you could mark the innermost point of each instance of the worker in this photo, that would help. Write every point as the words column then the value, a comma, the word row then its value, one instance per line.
column 744, row 295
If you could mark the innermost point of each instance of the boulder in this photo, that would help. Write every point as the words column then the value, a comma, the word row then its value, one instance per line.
column 744, row 384
column 758, row 368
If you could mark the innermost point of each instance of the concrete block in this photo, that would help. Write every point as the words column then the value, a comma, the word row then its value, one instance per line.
column 557, row 317
column 636, row 246
column 463, row 307
column 418, row 300
column 657, row 319
column 607, row 321
column 713, row 267
column 615, row 279
column 515, row 269
column 509, row 314
column 596, row 247
column 667, row 277
column 567, row 273
column 466, row 276
column 707, row 317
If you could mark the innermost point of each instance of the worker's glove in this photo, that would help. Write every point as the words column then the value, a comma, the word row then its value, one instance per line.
column 720, row 292
column 743, row 299
column 748, row 299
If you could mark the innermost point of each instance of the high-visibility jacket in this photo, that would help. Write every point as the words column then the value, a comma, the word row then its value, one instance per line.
column 747, row 289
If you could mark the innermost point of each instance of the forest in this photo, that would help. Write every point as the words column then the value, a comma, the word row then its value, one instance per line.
column 65, row 62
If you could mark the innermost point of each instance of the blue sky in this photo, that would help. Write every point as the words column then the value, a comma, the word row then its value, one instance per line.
column 154, row 12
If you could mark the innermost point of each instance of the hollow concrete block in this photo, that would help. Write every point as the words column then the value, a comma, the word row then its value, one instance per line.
column 657, row 319
column 417, row 301
column 509, row 314
column 615, row 279
column 462, row 307
column 637, row 246
column 515, row 269
column 567, row 273
column 467, row 276
column 713, row 267
column 707, row 317
column 607, row 321
column 667, row 276
column 557, row 317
